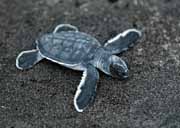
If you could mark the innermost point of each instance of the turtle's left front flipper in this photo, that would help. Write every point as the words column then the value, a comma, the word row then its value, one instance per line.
column 27, row 59
column 86, row 91
column 123, row 41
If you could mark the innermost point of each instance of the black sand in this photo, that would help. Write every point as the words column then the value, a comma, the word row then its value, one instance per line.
column 43, row 96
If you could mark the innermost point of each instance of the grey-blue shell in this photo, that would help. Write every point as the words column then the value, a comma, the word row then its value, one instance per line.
column 68, row 47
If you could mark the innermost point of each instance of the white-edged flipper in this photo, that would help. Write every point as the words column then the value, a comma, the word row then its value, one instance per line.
column 86, row 91
column 65, row 27
column 27, row 59
column 123, row 41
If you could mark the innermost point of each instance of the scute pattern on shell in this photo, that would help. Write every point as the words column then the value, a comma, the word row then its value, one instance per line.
column 68, row 47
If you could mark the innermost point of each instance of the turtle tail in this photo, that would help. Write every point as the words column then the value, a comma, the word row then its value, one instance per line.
column 27, row 59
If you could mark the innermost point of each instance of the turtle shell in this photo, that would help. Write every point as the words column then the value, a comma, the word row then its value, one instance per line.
column 68, row 47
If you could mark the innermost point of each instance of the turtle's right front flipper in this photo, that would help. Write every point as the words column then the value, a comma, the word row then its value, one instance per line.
column 87, row 88
column 27, row 59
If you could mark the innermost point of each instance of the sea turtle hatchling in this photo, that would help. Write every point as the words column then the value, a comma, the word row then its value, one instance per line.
column 79, row 51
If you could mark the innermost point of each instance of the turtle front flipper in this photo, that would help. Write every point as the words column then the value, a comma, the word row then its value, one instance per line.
column 65, row 27
column 123, row 41
column 86, row 91
column 27, row 59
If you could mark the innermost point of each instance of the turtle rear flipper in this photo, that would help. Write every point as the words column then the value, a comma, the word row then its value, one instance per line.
column 65, row 27
column 27, row 59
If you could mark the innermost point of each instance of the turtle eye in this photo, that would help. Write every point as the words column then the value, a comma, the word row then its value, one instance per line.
column 113, row 71
column 118, row 71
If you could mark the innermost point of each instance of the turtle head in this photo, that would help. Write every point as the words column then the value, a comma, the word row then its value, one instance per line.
column 118, row 67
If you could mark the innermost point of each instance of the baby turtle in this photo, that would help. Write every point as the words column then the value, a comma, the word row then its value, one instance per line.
column 79, row 51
